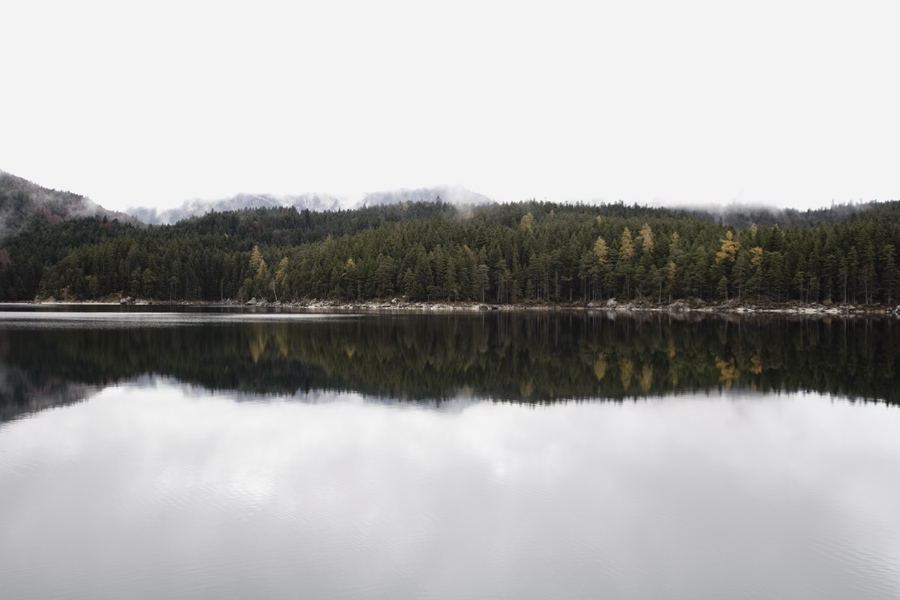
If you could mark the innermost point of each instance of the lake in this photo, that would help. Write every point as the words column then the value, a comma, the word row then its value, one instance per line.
column 227, row 453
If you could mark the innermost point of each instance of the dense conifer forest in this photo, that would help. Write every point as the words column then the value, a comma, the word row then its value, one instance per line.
column 526, row 252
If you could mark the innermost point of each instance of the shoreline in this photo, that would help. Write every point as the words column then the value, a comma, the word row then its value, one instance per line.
column 732, row 307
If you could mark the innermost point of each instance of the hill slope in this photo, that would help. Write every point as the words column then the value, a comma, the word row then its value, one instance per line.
column 23, row 203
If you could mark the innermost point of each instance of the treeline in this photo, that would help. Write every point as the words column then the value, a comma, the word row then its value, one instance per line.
column 433, row 251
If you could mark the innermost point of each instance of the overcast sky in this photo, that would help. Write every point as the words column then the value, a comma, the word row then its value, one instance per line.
column 786, row 103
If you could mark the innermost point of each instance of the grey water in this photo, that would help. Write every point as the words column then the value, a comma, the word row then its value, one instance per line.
column 232, row 454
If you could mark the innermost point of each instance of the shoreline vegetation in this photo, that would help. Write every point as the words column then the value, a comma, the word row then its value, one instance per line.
column 527, row 255
column 693, row 306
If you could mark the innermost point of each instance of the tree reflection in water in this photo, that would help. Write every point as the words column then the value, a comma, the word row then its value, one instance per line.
column 512, row 357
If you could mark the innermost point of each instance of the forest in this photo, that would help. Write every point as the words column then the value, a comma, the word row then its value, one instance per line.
column 524, row 252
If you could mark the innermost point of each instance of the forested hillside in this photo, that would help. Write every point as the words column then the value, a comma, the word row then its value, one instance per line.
column 24, row 204
column 498, row 253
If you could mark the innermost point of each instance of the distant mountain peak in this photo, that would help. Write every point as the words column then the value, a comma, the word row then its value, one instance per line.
column 197, row 207
column 312, row 201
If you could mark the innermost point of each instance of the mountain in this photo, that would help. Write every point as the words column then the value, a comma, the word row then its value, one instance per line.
column 196, row 208
column 309, row 201
column 23, row 203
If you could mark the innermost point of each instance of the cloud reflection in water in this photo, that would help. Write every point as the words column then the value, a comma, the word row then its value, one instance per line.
column 156, row 489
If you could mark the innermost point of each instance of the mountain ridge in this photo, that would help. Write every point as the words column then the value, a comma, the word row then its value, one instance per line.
column 312, row 201
column 23, row 202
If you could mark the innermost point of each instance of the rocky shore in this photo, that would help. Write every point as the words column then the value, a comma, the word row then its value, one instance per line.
column 611, row 305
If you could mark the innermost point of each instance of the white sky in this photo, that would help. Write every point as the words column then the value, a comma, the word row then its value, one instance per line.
column 787, row 103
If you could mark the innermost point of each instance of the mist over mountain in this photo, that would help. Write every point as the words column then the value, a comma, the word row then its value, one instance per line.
column 23, row 203
column 197, row 208
column 745, row 215
column 453, row 194
column 314, row 202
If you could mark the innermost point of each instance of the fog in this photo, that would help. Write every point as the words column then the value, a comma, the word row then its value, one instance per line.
column 789, row 104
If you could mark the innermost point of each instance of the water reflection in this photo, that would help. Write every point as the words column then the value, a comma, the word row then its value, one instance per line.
column 520, row 358
column 209, row 455
column 149, row 492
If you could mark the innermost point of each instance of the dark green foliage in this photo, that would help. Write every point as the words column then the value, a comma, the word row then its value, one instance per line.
column 521, row 252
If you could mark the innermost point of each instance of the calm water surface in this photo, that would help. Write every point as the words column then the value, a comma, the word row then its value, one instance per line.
column 235, row 455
